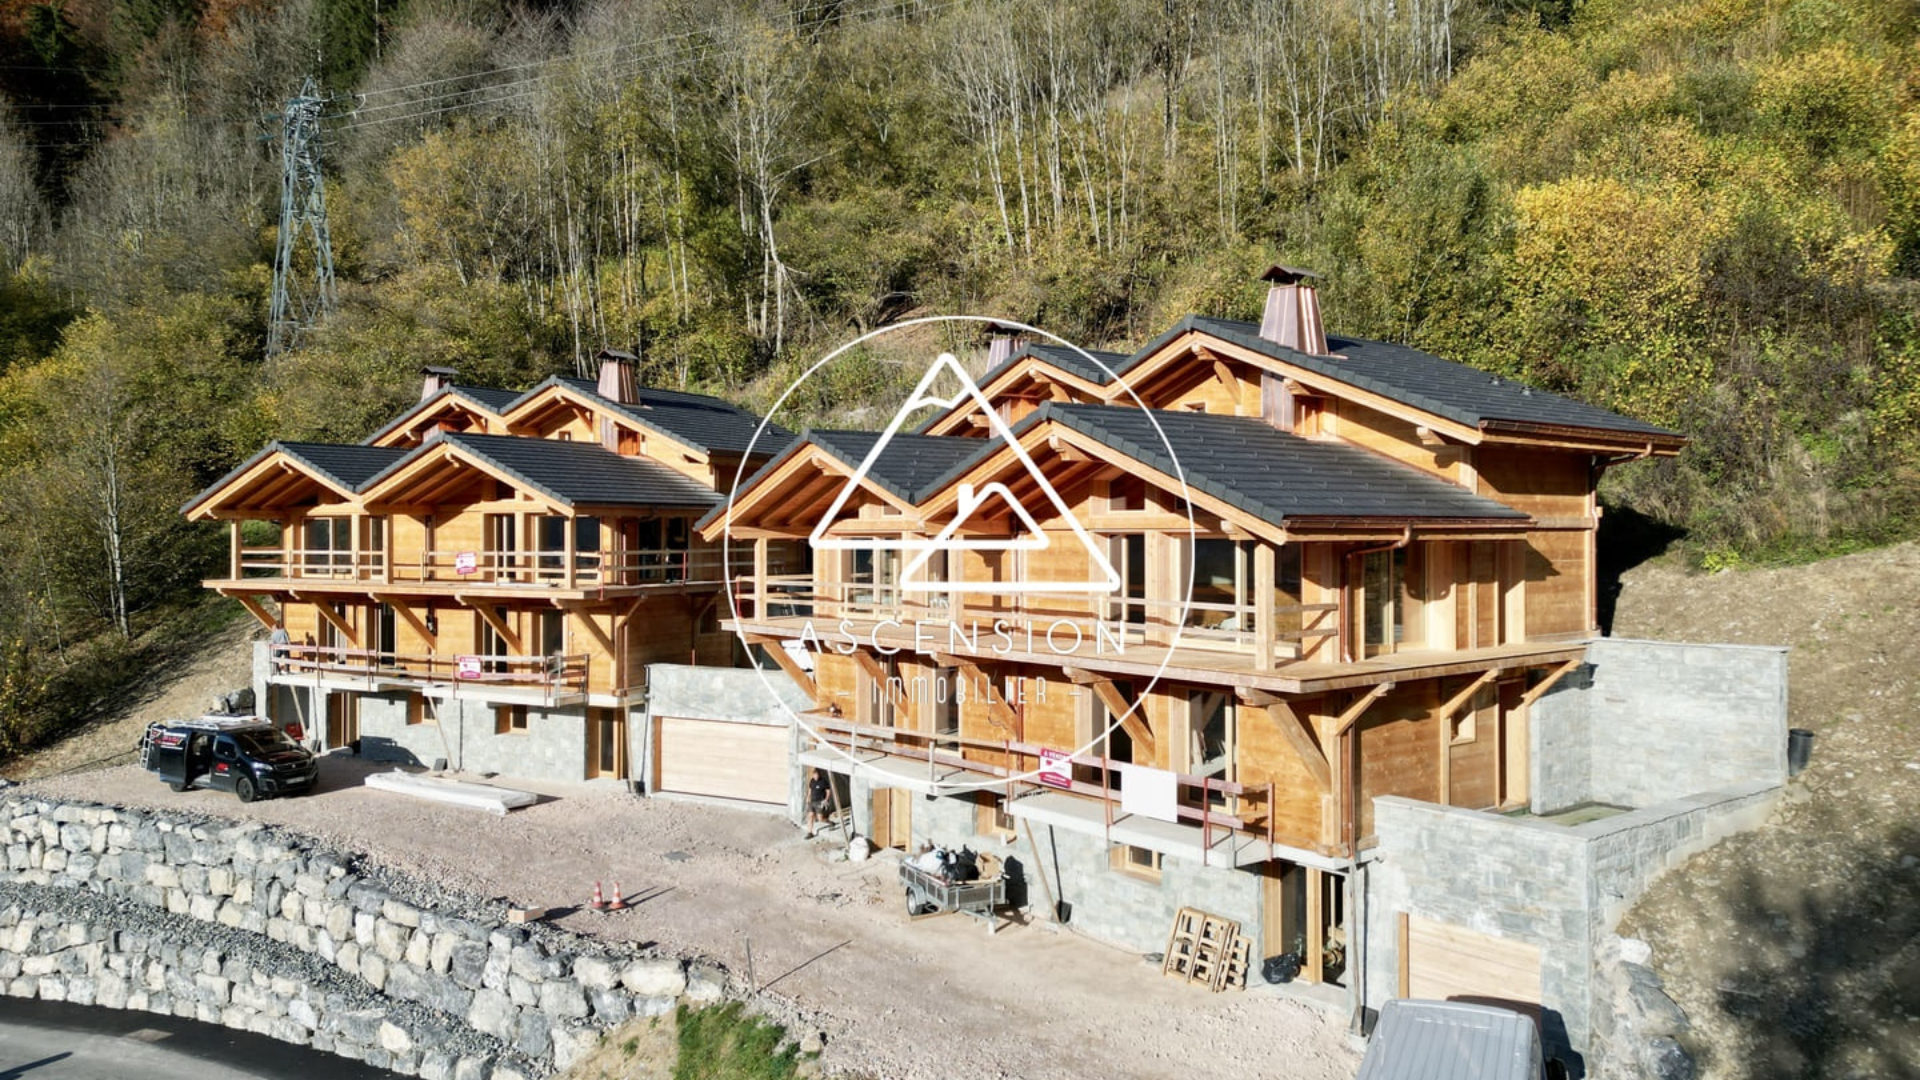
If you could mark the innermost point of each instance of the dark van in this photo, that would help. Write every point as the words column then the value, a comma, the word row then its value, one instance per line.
column 242, row 754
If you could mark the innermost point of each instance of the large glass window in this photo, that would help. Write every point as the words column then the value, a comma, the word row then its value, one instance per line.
column 1390, row 609
column 329, row 544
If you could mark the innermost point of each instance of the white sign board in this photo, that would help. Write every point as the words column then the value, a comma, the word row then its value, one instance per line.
column 1151, row 793
column 466, row 667
column 465, row 562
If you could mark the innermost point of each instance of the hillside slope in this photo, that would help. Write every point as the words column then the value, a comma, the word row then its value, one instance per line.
column 1795, row 950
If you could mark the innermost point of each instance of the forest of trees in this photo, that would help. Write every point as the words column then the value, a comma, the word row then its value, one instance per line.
column 1705, row 213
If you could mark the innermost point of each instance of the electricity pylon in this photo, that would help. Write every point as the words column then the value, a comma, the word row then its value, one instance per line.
column 299, row 300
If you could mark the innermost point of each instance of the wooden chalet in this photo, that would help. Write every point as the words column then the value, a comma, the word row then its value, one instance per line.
column 1344, row 569
column 502, row 563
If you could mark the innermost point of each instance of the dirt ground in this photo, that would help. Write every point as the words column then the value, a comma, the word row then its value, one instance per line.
column 938, row 998
column 1795, row 950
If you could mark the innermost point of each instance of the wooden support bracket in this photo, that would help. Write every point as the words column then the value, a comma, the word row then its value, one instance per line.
column 1360, row 706
column 778, row 651
column 1294, row 728
column 1458, row 701
column 346, row 629
column 485, row 611
column 1533, row 692
column 1131, row 721
column 413, row 618
column 253, row 607
column 586, row 620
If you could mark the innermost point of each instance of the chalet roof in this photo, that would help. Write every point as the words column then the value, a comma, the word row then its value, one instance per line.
column 911, row 464
column 704, row 422
column 349, row 466
column 1455, row 391
column 1275, row 476
column 486, row 397
column 578, row 473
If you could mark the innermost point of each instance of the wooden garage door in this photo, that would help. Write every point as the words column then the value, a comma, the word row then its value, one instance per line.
column 729, row 761
column 1449, row 963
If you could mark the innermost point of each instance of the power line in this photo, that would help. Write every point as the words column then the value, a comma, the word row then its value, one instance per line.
column 677, row 57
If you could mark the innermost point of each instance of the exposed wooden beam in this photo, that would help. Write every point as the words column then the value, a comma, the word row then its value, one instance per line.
column 592, row 626
column 1459, row 700
column 778, row 652
column 1533, row 693
column 406, row 612
column 253, row 607
column 1130, row 719
column 998, row 710
column 1360, row 706
column 491, row 618
column 870, row 665
column 1294, row 728
column 346, row 629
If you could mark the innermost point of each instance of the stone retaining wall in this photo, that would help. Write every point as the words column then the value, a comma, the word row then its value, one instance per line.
column 542, row 995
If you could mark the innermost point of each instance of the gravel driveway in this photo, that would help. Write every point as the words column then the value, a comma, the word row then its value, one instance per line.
column 937, row 998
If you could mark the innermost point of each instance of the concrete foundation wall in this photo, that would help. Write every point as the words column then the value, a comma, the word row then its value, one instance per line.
column 1645, row 722
column 554, row 746
column 1521, row 879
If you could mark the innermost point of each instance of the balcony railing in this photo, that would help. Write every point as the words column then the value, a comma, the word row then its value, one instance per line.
column 1216, row 806
column 559, row 674
column 551, row 569
column 1125, row 620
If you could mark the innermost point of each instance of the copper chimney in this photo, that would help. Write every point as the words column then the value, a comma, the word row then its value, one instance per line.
column 617, row 371
column 1003, row 341
column 436, row 379
column 1293, row 311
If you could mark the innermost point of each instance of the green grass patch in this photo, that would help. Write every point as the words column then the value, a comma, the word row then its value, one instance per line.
column 724, row 1043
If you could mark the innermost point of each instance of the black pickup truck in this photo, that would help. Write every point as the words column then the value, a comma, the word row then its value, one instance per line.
column 242, row 754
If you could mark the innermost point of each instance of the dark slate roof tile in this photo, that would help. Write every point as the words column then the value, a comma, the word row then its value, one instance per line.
column 1456, row 391
column 581, row 473
column 909, row 463
column 1271, row 474
column 348, row 465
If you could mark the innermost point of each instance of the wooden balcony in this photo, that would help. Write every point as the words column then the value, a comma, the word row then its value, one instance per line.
column 485, row 573
column 1218, row 654
column 1226, row 821
column 557, row 680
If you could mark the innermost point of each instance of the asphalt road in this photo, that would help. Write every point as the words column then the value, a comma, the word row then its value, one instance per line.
column 41, row 1040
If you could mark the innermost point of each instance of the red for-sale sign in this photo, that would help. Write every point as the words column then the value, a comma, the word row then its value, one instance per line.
column 1056, row 769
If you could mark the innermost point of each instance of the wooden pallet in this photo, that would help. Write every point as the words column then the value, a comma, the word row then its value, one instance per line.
column 1239, row 961
column 1201, row 949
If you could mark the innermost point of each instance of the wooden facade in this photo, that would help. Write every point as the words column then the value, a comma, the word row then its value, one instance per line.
column 429, row 558
column 1287, row 668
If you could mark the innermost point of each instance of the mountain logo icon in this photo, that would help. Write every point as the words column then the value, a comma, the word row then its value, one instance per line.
column 1101, row 576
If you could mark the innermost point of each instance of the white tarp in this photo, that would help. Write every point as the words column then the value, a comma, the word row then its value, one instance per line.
column 497, row 800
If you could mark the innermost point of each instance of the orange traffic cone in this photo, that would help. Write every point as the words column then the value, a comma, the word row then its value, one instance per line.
column 598, row 903
column 619, row 902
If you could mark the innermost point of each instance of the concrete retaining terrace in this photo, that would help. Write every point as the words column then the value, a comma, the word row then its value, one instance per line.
column 1643, row 722
column 251, row 927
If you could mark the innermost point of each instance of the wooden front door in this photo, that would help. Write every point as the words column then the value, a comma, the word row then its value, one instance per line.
column 892, row 818
column 607, row 743
column 343, row 719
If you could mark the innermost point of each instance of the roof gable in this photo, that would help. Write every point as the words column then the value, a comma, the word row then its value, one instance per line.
column 283, row 473
column 568, row 474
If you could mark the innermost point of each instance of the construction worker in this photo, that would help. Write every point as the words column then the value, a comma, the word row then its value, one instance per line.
column 819, row 800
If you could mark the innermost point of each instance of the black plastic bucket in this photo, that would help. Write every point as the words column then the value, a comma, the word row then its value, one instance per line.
column 1799, row 749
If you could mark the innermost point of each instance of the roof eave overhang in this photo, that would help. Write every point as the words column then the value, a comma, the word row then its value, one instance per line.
column 1597, row 440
